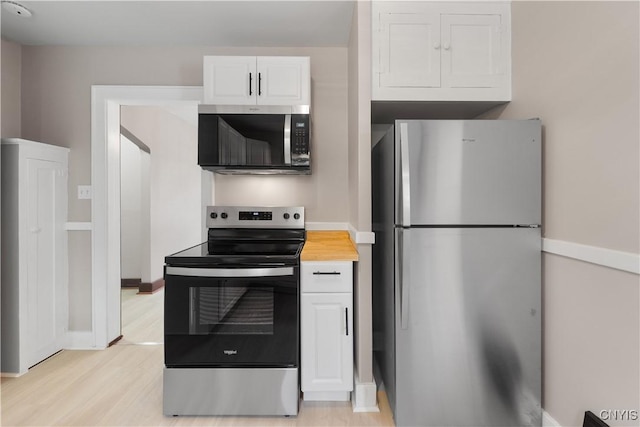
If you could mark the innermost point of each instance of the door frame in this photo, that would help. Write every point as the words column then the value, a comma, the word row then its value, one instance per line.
column 105, row 203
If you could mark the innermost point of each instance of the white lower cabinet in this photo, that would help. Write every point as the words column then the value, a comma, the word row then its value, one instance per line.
column 326, row 330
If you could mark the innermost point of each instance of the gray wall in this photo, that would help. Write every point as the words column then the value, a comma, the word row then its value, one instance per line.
column 56, row 99
column 575, row 65
column 11, row 88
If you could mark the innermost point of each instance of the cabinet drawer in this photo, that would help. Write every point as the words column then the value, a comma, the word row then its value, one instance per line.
column 326, row 276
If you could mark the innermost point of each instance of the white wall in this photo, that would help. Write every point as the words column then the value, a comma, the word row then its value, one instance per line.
column 130, row 210
column 175, row 178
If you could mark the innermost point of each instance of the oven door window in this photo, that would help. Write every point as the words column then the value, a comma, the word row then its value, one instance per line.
column 232, row 308
column 231, row 321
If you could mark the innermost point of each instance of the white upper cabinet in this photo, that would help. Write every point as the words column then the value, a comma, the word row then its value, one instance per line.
column 436, row 51
column 261, row 80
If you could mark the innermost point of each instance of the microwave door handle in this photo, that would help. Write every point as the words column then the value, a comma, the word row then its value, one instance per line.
column 287, row 139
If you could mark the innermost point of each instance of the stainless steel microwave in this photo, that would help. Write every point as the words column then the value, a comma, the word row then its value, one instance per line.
column 254, row 140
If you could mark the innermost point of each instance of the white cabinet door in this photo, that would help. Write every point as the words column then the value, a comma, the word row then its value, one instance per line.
column 327, row 342
column 46, row 295
column 441, row 51
column 472, row 51
column 230, row 80
column 409, row 50
column 283, row 80
column 262, row 80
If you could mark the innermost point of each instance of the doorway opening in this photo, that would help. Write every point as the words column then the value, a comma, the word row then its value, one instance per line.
column 106, row 203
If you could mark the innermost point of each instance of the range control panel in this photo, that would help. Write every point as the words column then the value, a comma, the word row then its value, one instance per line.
column 255, row 217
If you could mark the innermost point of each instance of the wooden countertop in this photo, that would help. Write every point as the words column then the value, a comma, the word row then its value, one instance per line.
column 329, row 246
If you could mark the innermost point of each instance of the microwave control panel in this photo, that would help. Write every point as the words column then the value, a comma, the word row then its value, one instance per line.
column 300, row 139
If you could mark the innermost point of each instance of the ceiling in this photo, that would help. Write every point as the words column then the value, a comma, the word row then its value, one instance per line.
column 237, row 23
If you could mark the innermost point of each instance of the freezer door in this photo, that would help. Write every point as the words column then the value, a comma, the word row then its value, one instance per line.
column 474, row 172
column 468, row 327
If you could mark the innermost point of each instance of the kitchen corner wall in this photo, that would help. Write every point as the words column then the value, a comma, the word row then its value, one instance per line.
column 56, row 105
column 359, row 182
column 576, row 66
column 10, row 88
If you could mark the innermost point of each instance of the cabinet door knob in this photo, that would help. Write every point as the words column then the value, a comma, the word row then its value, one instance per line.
column 447, row 46
column 35, row 230
column 436, row 46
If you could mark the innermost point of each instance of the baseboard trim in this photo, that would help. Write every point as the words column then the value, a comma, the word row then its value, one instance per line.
column 11, row 374
column 548, row 420
column 365, row 396
column 130, row 283
column 326, row 396
column 78, row 226
column 115, row 341
column 149, row 288
column 79, row 340
column 625, row 261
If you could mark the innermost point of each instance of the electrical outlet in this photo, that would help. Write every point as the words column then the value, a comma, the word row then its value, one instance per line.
column 84, row 192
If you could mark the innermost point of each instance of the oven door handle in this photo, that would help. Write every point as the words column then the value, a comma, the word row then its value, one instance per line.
column 230, row 272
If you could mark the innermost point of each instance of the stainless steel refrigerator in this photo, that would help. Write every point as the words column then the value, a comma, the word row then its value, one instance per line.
column 457, row 271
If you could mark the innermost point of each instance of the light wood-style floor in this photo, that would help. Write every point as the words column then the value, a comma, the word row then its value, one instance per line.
column 122, row 385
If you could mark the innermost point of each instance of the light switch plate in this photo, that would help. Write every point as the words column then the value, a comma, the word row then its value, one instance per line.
column 84, row 192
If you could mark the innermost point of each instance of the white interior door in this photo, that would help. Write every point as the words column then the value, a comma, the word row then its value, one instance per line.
column 46, row 293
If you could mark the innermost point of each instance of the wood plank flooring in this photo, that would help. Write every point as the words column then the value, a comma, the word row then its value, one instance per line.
column 122, row 385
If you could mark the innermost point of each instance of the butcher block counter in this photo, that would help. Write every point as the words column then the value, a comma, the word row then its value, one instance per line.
column 328, row 246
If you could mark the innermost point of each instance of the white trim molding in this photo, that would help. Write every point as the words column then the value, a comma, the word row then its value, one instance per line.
column 361, row 237
column 364, row 397
column 548, row 421
column 326, row 226
column 78, row 226
column 105, row 203
column 79, row 340
column 619, row 260
column 358, row 237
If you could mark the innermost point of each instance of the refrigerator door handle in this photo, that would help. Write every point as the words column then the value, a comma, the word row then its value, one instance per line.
column 402, row 250
column 405, row 188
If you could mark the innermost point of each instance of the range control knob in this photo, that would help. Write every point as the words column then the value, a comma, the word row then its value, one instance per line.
column 213, row 215
column 286, row 216
column 296, row 216
column 223, row 215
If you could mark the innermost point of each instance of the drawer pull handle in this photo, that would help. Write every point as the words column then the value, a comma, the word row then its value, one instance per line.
column 326, row 273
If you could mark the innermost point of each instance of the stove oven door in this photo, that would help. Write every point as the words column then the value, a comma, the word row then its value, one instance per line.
column 231, row 317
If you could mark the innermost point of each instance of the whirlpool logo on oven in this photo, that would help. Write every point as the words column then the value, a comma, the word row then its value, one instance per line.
column 230, row 352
